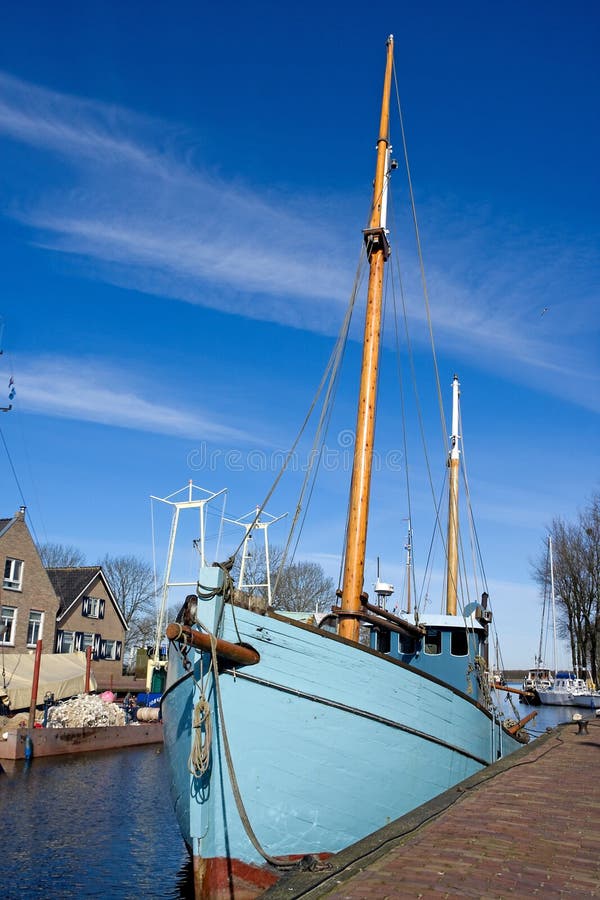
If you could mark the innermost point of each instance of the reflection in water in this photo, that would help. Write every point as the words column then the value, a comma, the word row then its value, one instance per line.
column 92, row 825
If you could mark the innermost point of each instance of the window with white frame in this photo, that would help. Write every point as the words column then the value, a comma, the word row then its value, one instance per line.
column 34, row 627
column 94, row 607
column 8, row 621
column 13, row 574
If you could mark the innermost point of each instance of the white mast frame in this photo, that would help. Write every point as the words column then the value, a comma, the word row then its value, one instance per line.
column 179, row 506
column 261, row 525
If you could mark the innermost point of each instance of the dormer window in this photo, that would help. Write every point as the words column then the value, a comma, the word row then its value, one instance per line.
column 13, row 574
column 93, row 607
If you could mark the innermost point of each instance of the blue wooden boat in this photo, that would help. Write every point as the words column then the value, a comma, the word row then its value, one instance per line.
column 288, row 741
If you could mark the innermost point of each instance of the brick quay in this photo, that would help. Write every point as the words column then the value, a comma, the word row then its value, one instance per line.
column 529, row 824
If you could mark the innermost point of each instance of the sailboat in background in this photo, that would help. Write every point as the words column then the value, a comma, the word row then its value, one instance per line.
column 540, row 677
column 286, row 741
column 567, row 688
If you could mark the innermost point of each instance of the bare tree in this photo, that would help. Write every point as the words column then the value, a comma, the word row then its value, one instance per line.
column 303, row 586
column 132, row 582
column 296, row 587
column 58, row 556
column 576, row 551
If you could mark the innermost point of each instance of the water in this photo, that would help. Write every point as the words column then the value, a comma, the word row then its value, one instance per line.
column 547, row 716
column 91, row 825
column 101, row 824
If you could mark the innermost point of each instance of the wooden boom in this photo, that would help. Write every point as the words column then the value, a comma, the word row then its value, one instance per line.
column 232, row 654
column 514, row 728
column 511, row 690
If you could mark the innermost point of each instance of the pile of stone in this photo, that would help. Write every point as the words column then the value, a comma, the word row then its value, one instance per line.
column 85, row 711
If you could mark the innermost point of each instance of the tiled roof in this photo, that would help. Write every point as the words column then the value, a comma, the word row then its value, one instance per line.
column 68, row 583
column 4, row 523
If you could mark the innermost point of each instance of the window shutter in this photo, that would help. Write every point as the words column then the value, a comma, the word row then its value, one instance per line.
column 101, row 606
column 96, row 646
column 85, row 606
column 102, row 649
column 59, row 641
column 118, row 649
column 78, row 640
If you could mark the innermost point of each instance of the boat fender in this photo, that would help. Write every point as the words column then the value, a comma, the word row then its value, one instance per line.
column 28, row 747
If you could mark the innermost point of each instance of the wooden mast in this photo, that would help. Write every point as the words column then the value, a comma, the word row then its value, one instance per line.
column 453, row 464
column 377, row 251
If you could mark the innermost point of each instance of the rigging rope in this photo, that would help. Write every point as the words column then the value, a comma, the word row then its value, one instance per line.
column 404, row 430
column 421, row 263
column 289, row 455
column 20, row 489
column 419, row 410
column 324, row 419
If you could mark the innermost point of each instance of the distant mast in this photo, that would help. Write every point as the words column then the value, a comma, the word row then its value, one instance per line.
column 408, row 568
column 551, row 560
column 453, row 464
column 377, row 251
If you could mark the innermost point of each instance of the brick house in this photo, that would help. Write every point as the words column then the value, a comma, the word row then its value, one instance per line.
column 28, row 602
column 89, row 616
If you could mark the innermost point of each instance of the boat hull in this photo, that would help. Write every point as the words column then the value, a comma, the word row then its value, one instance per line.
column 564, row 698
column 328, row 741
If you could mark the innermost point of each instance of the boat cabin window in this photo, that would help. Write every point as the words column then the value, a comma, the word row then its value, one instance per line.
column 383, row 641
column 459, row 644
column 407, row 644
column 433, row 641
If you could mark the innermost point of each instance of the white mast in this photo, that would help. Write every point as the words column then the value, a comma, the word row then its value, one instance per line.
column 552, row 596
column 408, row 567
column 453, row 464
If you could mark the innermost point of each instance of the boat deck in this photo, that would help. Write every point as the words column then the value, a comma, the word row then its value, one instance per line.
column 529, row 824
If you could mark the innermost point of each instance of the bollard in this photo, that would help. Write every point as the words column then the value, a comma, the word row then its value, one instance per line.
column 581, row 722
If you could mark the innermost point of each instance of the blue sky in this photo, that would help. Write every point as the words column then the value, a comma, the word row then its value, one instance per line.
column 183, row 191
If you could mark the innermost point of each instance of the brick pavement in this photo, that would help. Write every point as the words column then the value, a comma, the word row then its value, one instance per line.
column 529, row 825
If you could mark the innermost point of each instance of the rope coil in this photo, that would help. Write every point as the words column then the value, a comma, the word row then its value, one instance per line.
column 199, row 759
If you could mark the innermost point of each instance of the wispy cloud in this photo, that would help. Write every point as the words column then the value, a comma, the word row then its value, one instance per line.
column 521, row 304
column 90, row 390
column 148, row 217
column 141, row 205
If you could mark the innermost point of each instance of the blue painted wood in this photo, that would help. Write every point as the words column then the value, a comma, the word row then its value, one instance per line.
column 329, row 741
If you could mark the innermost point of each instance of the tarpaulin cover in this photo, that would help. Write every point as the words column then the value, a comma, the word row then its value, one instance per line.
column 61, row 674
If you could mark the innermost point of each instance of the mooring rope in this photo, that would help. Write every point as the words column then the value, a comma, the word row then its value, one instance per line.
column 199, row 758
column 278, row 862
column 285, row 864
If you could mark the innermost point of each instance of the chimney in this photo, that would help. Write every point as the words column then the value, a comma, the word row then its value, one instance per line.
column 21, row 513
